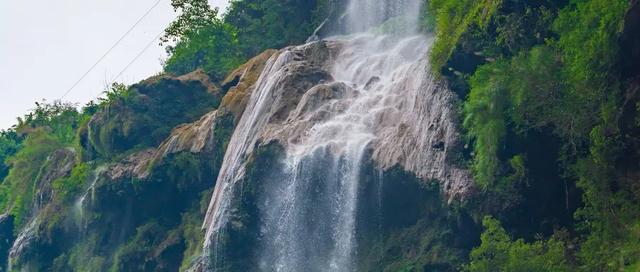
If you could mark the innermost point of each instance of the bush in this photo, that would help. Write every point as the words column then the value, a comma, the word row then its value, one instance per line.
column 498, row 252
column 10, row 143
column 19, row 186
column 214, row 48
column 453, row 18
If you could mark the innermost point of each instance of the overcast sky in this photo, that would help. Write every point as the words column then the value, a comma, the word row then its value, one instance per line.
column 46, row 46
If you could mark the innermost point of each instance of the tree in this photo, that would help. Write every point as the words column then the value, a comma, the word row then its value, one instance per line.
column 194, row 16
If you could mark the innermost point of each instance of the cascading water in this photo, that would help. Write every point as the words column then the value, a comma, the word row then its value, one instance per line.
column 79, row 206
column 307, row 215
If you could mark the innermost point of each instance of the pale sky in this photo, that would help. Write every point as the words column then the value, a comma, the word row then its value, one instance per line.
column 46, row 46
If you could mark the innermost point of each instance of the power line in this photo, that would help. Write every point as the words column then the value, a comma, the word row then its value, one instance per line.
column 137, row 56
column 133, row 60
column 110, row 49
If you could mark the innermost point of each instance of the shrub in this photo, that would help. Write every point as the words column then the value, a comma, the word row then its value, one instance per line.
column 498, row 252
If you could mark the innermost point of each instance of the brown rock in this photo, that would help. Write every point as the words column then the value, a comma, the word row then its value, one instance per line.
column 239, row 83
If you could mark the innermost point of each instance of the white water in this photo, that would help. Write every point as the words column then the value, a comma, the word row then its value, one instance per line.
column 242, row 143
column 309, row 217
column 308, row 214
column 79, row 205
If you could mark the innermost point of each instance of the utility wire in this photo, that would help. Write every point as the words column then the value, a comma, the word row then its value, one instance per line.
column 137, row 56
column 110, row 49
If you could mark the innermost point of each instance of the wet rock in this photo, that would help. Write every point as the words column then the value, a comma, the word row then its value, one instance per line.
column 313, row 101
column 58, row 164
column 135, row 165
column 196, row 137
column 239, row 84
column 24, row 245
column 413, row 127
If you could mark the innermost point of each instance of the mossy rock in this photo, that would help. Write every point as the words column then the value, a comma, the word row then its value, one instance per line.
column 147, row 115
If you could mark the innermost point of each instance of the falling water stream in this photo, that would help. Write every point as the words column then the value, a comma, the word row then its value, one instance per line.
column 308, row 215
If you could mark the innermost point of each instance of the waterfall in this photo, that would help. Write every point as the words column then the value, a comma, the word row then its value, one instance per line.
column 242, row 143
column 309, row 215
column 384, row 105
column 79, row 205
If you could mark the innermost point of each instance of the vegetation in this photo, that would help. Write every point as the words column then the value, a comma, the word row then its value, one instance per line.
column 203, row 41
column 560, row 85
column 218, row 44
column 551, row 127
column 68, row 187
column 9, row 145
column 453, row 19
column 499, row 252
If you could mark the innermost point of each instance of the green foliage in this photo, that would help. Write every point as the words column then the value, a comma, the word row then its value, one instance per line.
column 68, row 187
column 58, row 118
column 19, row 186
column 610, row 215
column 142, row 115
column 202, row 40
column 588, row 32
column 498, row 252
column 568, row 87
column 132, row 255
column 214, row 48
column 194, row 16
column 218, row 45
column 81, row 258
column 519, row 94
column 10, row 143
column 192, row 231
column 264, row 24
column 184, row 169
column 485, row 110
column 116, row 94
column 454, row 18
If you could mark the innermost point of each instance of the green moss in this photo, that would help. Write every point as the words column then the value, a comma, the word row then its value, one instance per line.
column 82, row 256
column 152, row 248
column 68, row 187
column 144, row 115
column 192, row 231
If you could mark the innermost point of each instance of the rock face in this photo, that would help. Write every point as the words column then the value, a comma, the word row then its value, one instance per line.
column 417, row 131
column 240, row 82
column 27, row 242
column 58, row 165
column 339, row 110
column 135, row 165
column 196, row 137
column 285, row 78
column 146, row 114
column 142, row 210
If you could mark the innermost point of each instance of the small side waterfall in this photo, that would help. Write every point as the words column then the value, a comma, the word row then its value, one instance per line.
column 377, row 103
column 79, row 205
